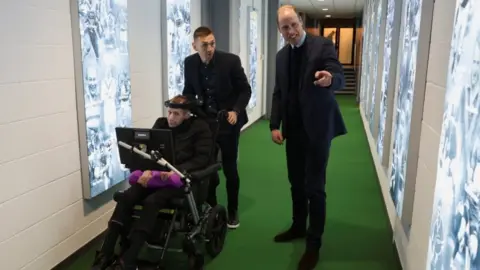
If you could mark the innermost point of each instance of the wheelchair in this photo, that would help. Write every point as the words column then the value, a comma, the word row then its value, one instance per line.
column 203, row 227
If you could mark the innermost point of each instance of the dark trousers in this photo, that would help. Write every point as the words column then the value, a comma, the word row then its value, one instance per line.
column 307, row 164
column 228, row 143
column 152, row 201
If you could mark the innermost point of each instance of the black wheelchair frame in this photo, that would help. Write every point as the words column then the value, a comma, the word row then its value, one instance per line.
column 202, row 225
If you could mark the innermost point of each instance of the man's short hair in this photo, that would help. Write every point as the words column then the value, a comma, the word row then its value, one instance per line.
column 289, row 7
column 202, row 31
column 179, row 99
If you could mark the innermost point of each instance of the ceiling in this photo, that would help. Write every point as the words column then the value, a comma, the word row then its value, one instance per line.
column 336, row 8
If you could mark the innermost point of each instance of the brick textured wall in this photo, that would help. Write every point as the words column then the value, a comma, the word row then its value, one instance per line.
column 43, row 216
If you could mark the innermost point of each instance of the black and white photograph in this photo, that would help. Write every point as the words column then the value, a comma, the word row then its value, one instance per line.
column 363, row 61
column 366, row 55
column 455, row 230
column 107, row 91
column 376, row 41
column 387, row 53
column 179, row 43
column 253, row 55
column 404, row 100
column 368, row 77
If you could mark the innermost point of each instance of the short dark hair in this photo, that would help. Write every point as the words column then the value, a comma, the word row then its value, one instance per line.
column 202, row 31
column 290, row 7
column 179, row 99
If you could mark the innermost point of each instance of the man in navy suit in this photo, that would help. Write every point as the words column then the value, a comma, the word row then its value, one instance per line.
column 306, row 115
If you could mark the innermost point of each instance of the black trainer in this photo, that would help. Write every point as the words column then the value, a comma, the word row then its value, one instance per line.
column 233, row 220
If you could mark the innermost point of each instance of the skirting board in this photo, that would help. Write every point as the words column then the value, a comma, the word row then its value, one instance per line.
column 251, row 122
column 400, row 238
column 401, row 241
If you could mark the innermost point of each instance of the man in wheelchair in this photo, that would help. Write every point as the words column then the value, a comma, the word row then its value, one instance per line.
column 193, row 140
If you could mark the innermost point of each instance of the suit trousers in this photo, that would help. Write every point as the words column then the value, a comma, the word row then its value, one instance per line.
column 228, row 143
column 307, row 165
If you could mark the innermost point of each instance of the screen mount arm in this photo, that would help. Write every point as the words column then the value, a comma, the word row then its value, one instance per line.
column 157, row 157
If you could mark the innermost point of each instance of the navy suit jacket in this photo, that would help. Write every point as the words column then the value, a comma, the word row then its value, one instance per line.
column 233, row 88
column 320, row 111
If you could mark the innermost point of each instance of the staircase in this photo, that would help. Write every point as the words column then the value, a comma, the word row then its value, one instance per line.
column 350, row 82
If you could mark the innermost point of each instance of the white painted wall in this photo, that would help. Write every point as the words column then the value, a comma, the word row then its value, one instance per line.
column 145, row 39
column 43, row 216
column 196, row 17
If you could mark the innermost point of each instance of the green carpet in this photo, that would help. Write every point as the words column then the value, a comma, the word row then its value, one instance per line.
column 357, row 232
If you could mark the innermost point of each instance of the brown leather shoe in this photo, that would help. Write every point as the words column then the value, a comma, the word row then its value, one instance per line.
column 289, row 235
column 309, row 260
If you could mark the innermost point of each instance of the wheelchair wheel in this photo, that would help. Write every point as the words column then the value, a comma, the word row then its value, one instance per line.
column 216, row 230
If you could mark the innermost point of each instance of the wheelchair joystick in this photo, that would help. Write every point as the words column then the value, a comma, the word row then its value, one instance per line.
column 156, row 155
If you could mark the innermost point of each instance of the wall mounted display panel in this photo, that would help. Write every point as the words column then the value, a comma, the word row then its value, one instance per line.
column 251, row 19
column 366, row 56
column 362, row 62
column 454, row 241
column 361, row 88
column 375, row 52
column 178, row 43
column 103, row 92
column 253, row 44
column 404, row 100
column 371, row 48
column 387, row 55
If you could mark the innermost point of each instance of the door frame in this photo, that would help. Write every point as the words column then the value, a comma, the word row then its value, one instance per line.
column 340, row 23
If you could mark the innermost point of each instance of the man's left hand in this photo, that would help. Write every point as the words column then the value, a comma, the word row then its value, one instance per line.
column 323, row 78
column 232, row 117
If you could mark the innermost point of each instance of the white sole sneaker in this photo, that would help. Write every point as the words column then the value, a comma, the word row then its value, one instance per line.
column 233, row 226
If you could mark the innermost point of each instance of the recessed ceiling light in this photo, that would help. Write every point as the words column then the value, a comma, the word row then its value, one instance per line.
column 321, row 0
column 324, row 9
column 328, row 16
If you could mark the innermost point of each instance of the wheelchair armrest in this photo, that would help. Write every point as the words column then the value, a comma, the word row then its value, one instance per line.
column 206, row 172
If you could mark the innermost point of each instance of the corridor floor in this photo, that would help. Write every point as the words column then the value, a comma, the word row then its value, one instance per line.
column 357, row 233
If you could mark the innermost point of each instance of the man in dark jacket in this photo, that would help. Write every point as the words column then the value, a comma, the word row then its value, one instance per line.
column 217, row 79
column 306, row 115
column 193, row 150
